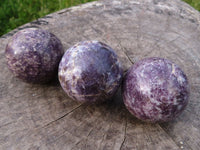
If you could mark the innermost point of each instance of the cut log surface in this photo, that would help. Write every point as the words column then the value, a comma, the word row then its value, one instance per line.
column 43, row 117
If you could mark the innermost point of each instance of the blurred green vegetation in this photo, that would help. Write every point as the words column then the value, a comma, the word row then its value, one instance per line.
column 194, row 3
column 14, row 13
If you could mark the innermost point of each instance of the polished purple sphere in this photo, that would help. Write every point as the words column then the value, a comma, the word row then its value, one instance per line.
column 90, row 72
column 155, row 90
column 33, row 55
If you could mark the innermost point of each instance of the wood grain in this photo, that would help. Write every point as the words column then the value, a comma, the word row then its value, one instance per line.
column 44, row 117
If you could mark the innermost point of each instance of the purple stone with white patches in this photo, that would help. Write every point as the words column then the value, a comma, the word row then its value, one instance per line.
column 90, row 72
column 155, row 90
column 33, row 55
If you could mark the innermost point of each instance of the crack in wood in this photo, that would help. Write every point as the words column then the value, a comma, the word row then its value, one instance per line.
column 62, row 116
column 60, row 136
column 123, row 49
column 8, row 124
column 85, row 138
column 124, row 138
column 76, row 144
column 89, row 132
column 128, row 57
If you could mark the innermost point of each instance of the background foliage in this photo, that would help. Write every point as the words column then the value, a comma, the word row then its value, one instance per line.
column 14, row 13
column 194, row 3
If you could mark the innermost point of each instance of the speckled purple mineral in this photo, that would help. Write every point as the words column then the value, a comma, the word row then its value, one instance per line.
column 155, row 90
column 33, row 55
column 90, row 72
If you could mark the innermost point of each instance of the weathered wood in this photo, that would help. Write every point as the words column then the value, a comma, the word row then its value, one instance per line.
column 43, row 117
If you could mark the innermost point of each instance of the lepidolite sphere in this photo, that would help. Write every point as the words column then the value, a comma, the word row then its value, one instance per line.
column 90, row 72
column 155, row 90
column 33, row 55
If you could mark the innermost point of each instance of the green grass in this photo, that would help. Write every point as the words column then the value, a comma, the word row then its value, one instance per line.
column 14, row 13
column 194, row 3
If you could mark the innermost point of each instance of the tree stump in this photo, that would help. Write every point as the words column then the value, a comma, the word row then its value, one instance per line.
column 44, row 117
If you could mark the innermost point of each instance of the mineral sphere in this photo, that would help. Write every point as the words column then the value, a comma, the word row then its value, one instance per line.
column 33, row 55
column 155, row 90
column 90, row 72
